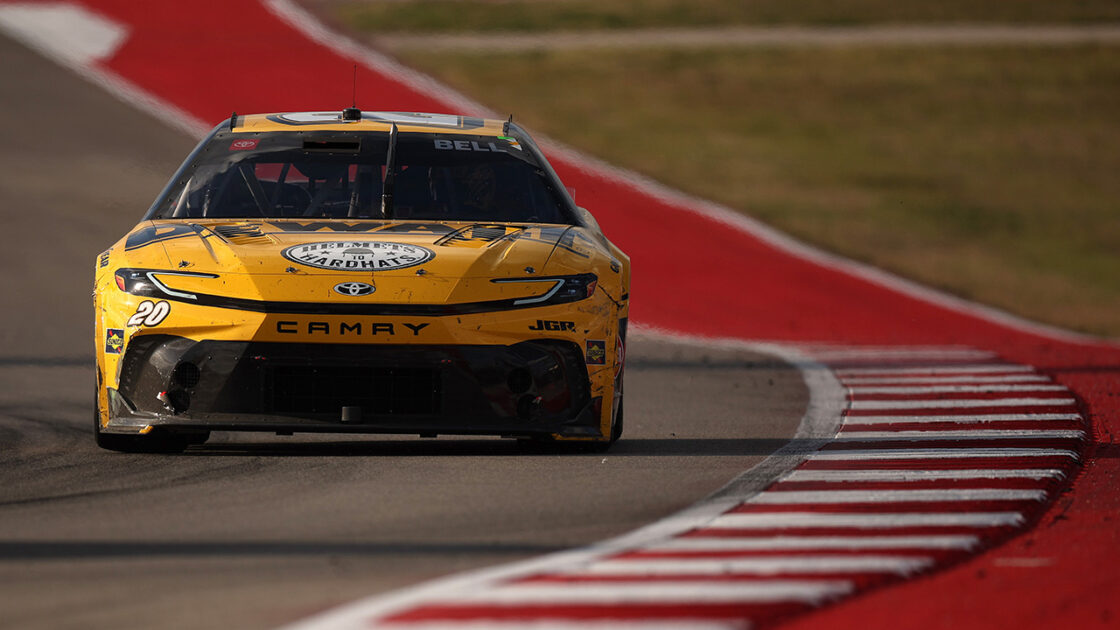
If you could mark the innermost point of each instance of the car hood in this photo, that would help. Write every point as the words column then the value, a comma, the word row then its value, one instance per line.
column 408, row 261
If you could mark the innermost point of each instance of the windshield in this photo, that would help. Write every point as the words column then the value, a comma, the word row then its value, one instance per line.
column 443, row 177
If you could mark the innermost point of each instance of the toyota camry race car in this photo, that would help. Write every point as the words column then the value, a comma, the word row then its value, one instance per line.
column 361, row 272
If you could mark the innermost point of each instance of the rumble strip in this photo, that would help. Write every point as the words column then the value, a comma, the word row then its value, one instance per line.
column 908, row 459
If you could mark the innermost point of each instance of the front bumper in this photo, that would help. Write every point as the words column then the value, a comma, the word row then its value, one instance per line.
column 531, row 388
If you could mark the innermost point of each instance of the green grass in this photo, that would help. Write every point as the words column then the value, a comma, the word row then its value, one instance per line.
column 551, row 15
column 991, row 173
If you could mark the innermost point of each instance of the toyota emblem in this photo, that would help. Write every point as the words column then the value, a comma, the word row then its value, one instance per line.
column 353, row 289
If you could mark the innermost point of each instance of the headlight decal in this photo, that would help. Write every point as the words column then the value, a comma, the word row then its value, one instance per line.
column 145, row 283
column 565, row 289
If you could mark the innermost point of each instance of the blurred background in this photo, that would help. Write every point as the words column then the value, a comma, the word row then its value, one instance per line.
column 971, row 145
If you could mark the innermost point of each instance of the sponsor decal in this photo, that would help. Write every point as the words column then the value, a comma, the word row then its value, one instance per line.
column 553, row 325
column 358, row 255
column 344, row 329
column 478, row 232
column 244, row 144
column 361, row 226
column 149, row 313
column 514, row 144
column 242, row 231
column 418, row 228
column 354, row 289
column 596, row 352
column 114, row 340
column 468, row 145
column 103, row 261
column 315, row 226
column 157, row 234
column 563, row 238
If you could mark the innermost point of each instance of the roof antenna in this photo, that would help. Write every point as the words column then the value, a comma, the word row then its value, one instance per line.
column 232, row 121
column 505, row 127
column 352, row 112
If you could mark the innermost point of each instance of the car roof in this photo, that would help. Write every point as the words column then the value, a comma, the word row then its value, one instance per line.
column 413, row 122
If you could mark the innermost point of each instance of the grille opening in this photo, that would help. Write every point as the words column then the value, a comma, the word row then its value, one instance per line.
column 186, row 375
column 376, row 390
column 519, row 380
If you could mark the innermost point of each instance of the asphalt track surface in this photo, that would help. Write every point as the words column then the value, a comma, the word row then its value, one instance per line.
column 255, row 531
column 749, row 283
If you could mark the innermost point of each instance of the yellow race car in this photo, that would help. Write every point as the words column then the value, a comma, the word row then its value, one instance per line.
column 365, row 272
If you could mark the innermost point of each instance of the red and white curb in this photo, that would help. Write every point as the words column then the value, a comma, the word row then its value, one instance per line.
column 908, row 459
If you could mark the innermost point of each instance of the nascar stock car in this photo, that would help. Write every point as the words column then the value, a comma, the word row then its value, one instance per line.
column 362, row 272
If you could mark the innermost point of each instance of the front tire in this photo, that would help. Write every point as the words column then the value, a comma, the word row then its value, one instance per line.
column 616, row 426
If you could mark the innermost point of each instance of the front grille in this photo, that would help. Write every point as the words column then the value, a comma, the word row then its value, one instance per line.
column 528, row 383
column 376, row 390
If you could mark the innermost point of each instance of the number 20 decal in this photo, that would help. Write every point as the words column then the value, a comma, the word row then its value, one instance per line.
column 149, row 314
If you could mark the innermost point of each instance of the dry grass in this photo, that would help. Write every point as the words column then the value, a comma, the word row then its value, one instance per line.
column 991, row 173
column 534, row 15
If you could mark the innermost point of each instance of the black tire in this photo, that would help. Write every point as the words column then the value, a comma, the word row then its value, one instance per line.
column 616, row 428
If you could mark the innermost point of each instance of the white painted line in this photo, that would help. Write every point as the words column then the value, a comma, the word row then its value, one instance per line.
column 901, row 354
column 938, row 369
column 761, row 565
column 789, row 543
column 795, row 497
column 922, row 475
column 691, row 592
column 829, row 346
column 78, row 39
column 964, row 434
column 67, row 30
column 953, row 389
column 682, row 623
column 965, row 403
column 964, row 418
column 939, row 453
column 938, row 380
column 770, row 520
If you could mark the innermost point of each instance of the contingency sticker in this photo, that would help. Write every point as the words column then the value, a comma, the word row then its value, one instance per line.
column 244, row 144
column 114, row 340
column 596, row 352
